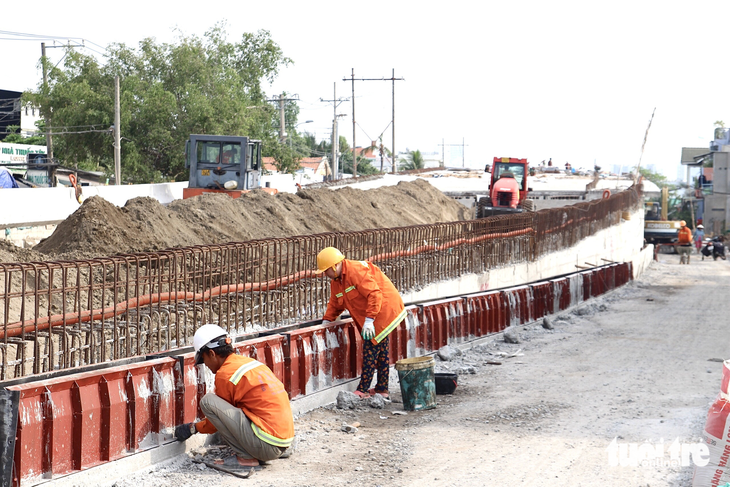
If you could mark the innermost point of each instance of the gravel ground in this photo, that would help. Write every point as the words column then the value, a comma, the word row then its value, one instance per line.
column 637, row 365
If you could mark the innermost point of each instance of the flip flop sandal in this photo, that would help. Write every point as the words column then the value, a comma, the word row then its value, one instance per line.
column 231, row 466
column 384, row 394
column 362, row 395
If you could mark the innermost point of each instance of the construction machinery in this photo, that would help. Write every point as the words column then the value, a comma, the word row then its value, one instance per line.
column 658, row 229
column 507, row 189
column 223, row 164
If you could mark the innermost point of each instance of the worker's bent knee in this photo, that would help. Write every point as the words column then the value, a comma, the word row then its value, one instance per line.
column 209, row 403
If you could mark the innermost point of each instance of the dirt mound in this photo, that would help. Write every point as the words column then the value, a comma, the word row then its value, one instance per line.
column 13, row 253
column 98, row 228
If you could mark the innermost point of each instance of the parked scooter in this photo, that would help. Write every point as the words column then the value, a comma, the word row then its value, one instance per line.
column 715, row 248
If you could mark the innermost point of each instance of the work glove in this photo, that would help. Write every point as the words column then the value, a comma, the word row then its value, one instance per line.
column 368, row 329
column 184, row 431
column 324, row 322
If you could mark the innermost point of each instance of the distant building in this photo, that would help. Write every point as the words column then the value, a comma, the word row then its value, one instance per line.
column 709, row 182
column 13, row 112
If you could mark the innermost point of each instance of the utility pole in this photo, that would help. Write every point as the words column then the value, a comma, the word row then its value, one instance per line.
column 117, row 135
column 354, row 145
column 392, row 121
column 49, row 136
column 335, row 138
column 282, row 118
column 282, row 114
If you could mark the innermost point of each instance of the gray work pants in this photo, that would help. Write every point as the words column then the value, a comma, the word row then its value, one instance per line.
column 235, row 429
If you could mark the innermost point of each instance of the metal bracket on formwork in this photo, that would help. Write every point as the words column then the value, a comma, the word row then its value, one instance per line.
column 9, row 401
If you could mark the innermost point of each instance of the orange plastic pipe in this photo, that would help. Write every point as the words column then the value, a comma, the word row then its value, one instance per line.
column 17, row 328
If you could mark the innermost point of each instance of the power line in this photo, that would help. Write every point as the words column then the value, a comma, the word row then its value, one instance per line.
column 37, row 37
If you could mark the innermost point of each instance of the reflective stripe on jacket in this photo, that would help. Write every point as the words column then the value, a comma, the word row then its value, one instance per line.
column 251, row 386
column 366, row 292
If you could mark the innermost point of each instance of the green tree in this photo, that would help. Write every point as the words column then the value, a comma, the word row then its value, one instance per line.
column 656, row 178
column 380, row 149
column 364, row 165
column 14, row 137
column 413, row 160
column 197, row 85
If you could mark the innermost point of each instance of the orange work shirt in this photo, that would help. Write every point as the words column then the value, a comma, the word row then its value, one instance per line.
column 684, row 236
column 251, row 386
column 366, row 292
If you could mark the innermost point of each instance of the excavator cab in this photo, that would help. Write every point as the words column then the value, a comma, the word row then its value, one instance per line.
column 222, row 164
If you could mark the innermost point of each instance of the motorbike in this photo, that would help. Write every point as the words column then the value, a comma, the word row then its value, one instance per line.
column 714, row 248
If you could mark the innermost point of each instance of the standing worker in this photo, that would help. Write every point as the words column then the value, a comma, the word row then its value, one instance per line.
column 376, row 308
column 684, row 243
column 699, row 237
column 250, row 408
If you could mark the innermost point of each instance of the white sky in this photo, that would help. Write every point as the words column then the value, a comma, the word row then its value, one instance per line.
column 573, row 80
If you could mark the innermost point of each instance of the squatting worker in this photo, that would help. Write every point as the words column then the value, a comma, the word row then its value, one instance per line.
column 376, row 308
column 250, row 408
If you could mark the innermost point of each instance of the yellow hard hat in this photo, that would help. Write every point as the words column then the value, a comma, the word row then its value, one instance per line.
column 682, row 223
column 328, row 257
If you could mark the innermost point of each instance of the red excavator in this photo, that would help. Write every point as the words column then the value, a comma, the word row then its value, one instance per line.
column 507, row 189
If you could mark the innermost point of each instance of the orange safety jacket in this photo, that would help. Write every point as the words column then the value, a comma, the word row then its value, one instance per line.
column 250, row 385
column 684, row 236
column 366, row 292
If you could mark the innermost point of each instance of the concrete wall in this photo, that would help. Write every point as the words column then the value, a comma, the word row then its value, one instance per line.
column 717, row 210
column 619, row 243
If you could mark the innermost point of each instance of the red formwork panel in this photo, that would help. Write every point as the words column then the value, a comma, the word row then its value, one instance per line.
column 474, row 307
column 313, row 359
column 542, row 294
column 457, row 320
column 575, row 284
column 561, row 293
column 77, row 421
column 87, row 422
column 611, row 276
column 622, row 273
column 415, row 332
column 599, row 282
column 521, row 304
column 186, row 389
column 45, row 420
column 443, row 322
column 497, row 312
column 398, row 344
column 114, row 414
column 485, row 313
column 588, row 286
column 267, row 350
column 150, row 393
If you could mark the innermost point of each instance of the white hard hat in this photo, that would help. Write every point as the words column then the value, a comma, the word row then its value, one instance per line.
column 208, row 336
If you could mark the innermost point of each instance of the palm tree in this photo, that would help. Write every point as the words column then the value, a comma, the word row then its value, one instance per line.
column 413, row 160
column 384, row 151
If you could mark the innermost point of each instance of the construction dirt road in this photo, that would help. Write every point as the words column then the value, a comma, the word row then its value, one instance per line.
column 637, row 365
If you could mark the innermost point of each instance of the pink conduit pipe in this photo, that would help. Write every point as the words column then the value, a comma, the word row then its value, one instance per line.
column 31, row 325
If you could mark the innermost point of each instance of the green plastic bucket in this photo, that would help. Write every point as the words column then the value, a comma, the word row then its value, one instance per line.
column 417, row 384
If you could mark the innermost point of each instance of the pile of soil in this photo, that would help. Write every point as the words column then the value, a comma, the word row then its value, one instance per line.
column 99, row 228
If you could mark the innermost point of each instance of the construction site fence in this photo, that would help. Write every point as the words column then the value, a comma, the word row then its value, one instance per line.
column 65, row 314
column 58, row 425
